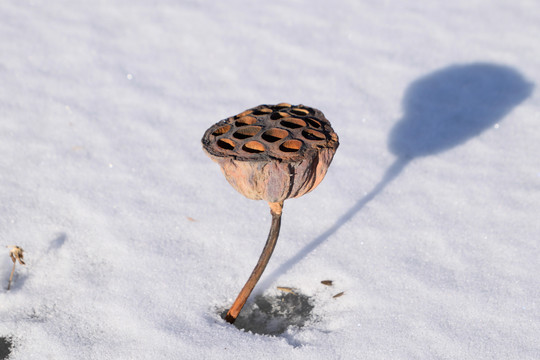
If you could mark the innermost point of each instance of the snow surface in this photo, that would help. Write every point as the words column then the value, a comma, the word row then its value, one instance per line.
column 134, row 241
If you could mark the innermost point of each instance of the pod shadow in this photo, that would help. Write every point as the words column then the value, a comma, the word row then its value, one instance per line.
column 450, row 106
column 442, row 110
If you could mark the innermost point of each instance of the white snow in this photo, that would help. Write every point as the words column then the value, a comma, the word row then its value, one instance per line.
column 134, row 242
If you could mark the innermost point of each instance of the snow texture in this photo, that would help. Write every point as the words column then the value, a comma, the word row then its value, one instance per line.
column 135, row 244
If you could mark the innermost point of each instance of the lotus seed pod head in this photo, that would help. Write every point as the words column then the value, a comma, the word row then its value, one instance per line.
column 273, row 152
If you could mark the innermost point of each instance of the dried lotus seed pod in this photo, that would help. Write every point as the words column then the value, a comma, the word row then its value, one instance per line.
column 273, row 152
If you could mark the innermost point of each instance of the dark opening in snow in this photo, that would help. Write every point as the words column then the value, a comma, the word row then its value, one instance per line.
column 273, row 315
column 5, row 347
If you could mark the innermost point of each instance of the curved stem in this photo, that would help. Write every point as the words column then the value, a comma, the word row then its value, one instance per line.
column 275, row 210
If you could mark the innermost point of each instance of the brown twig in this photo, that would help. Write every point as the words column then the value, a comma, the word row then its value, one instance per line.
column 275, row 210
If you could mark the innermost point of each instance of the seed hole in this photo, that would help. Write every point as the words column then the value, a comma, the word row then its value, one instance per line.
column 278, row 115
column 313, row 123
column 253, row 147
column 262, row 111
column 243, row 113
column 226, row 144
column 293, row 123
column 301, row 112
column 292, row 145
column 246, row 132
column 283, row 105
column 275, row 134
column 221, row 130
column 313, row 134
column 246, row 120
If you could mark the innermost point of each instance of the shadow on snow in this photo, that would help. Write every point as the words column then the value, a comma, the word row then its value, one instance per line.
column 442, row 110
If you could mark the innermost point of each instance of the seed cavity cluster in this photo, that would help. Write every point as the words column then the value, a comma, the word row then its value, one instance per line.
column 280, row 131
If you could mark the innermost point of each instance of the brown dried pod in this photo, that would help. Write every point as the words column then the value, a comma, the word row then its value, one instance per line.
column 272, row 153
column 275, row 152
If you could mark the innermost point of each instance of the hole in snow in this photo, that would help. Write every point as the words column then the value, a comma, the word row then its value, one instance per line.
column 274, row 314
column 5, row 347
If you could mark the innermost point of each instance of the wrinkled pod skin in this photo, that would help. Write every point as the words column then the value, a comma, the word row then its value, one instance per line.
column 273, row 152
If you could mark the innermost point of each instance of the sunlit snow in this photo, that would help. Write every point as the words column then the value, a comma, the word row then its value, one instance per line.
column 135, row 244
